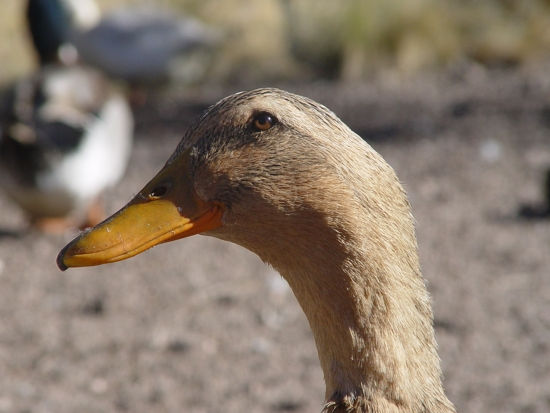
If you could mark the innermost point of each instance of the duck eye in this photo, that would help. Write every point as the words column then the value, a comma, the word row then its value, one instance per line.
column 264, row 121
column 158, row 192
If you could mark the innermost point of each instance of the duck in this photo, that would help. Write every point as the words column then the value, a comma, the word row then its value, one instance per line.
column 284, row 177
column 139, row 46
column 65, row 136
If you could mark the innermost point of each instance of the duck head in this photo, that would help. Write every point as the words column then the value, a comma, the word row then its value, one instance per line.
column 51, row 22
column 258, row 169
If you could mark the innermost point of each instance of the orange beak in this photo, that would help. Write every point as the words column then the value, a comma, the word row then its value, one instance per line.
column 166, row 209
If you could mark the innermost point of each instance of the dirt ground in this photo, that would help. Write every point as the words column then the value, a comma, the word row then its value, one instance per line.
column 200, row 325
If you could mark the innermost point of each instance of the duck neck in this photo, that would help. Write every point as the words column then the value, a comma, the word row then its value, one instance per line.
column 48, row 26
column 372, row 323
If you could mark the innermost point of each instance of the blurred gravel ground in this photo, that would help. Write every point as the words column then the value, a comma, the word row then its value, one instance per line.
column 202, row 326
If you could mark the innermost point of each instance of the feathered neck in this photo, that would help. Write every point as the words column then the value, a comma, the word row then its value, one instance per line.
column 372, row 325
column 356, row 275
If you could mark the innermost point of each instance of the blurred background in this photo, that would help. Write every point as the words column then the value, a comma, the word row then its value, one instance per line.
column 302, row 39
column 454, row 95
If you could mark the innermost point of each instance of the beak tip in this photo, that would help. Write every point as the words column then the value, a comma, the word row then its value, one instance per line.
column 61, row 259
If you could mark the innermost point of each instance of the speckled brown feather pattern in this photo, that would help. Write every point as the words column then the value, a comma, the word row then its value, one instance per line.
column 315, row 201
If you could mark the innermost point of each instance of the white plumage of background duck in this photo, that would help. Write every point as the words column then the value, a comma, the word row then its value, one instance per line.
column 135, row 45
column 66, row 136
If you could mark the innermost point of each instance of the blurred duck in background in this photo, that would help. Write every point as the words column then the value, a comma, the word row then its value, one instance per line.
column 135, row 45
column 65, row 135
